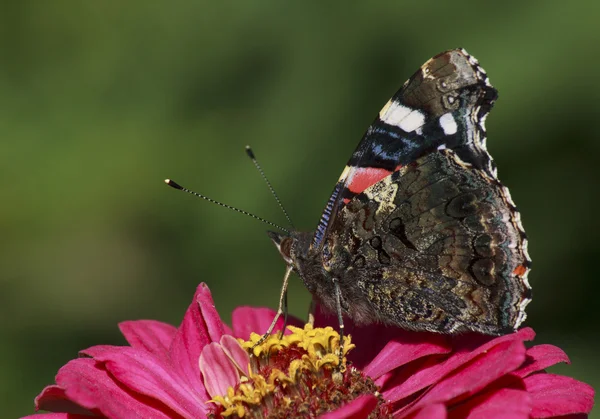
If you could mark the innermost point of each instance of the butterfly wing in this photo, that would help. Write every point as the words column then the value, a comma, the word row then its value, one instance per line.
column 444, row 104
column 437, row 245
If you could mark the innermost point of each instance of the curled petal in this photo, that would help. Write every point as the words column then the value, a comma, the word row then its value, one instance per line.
column 218, row 370
column 236, row 353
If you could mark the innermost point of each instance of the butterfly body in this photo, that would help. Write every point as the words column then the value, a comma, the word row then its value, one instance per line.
column 419, row 233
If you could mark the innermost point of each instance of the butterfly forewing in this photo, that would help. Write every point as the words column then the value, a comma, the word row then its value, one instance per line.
column 443, row 104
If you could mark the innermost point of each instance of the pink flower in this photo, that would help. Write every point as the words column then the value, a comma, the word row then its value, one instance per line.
column 199, row 370
column 425, row 375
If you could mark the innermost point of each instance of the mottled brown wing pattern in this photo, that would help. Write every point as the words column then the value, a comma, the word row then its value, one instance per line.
column 435, row 246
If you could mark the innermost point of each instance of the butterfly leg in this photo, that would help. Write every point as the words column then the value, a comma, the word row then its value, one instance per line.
column 311, row 312
column 280, row 309
column 338, row 309
column 285, row 314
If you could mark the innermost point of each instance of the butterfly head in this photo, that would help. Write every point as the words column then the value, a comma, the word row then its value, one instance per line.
column 293, row 247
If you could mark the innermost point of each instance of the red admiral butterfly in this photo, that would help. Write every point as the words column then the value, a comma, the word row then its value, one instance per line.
column 418, row 232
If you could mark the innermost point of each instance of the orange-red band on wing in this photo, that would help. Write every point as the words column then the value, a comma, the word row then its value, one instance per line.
column 363, row 177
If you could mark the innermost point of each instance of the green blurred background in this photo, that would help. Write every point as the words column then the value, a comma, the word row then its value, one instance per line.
column 100, row 101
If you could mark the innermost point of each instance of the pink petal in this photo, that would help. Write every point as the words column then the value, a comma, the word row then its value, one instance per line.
column 403, row 349
column 471, row 341
column 504, row 403
column 556, row 395
column 377, row 337
column 210, row 316
column 540, row 357
column 149, row 335
column 246, row 320
column 56, row 416
column 217, row 369
column 54, row 399
column 98, row 350
column 427, row 371
column 431, row 411
column 201, row 325
column 148, row 376
column 89, row 385
column 358, row 408
column 474, row 376
column 236, row 353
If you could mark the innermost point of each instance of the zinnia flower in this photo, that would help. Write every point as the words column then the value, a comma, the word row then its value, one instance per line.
column 206, row 369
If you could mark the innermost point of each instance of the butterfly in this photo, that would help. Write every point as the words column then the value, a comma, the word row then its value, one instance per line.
column 419, row 232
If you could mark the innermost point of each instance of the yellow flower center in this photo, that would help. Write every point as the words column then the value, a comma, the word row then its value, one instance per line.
column 298, row 375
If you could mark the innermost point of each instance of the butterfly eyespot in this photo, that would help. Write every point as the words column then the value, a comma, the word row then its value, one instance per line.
column 450, row 102
column 483, row 245
column 483, row 271
column 462, row 205
column 376, row 242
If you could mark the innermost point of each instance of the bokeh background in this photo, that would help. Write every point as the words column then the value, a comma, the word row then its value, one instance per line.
column 100, row 101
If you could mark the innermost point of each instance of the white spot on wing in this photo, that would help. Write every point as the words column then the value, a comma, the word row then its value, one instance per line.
column 448, row 124
column 408, row 119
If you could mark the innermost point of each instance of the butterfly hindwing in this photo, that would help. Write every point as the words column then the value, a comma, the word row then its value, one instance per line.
column 437, row 246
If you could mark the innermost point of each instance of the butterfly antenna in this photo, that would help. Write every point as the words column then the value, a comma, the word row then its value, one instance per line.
column 250, row 154
column 175, row 185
